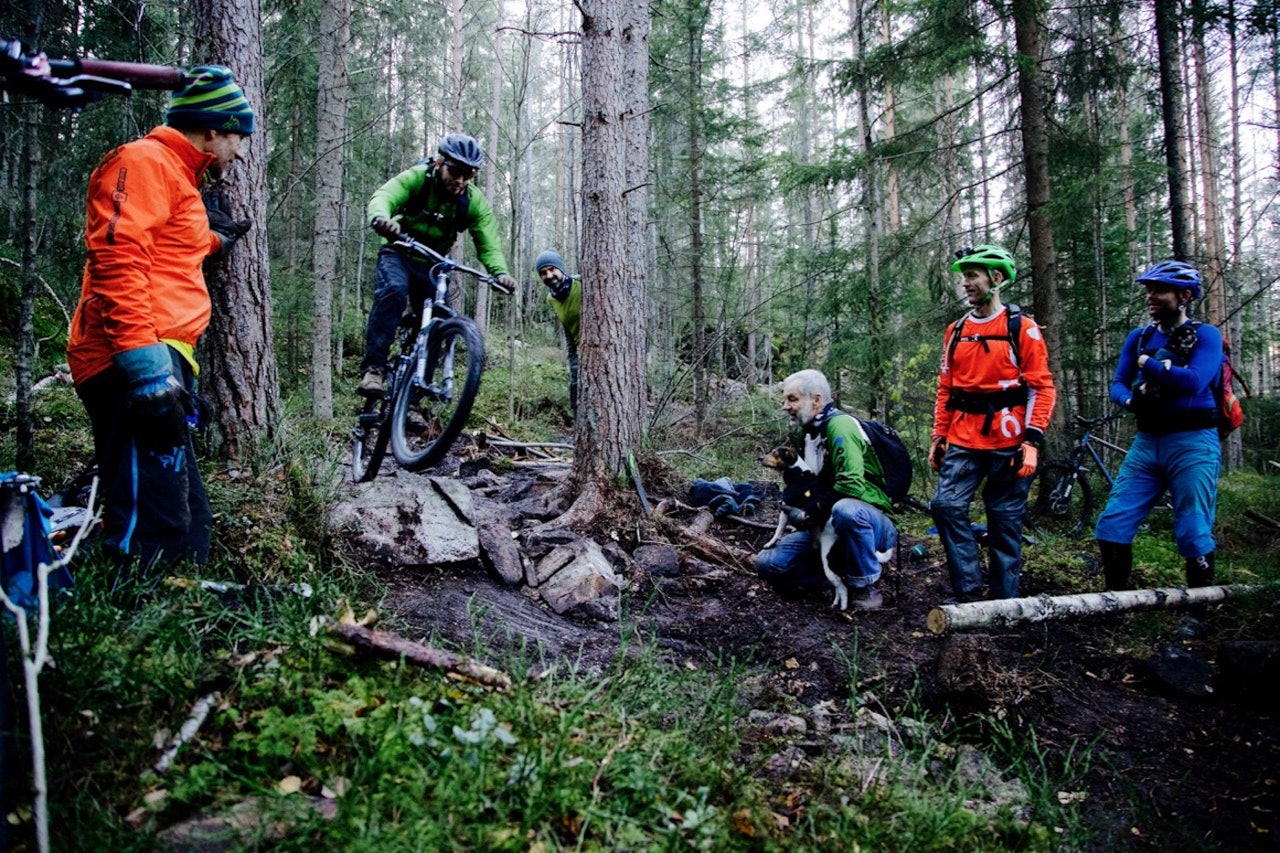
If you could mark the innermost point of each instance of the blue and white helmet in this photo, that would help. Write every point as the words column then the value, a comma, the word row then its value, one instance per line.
column 1178, row 274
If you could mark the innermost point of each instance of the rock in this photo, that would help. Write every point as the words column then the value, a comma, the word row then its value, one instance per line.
column 497, row 544
column 659, row 560
column 1249, row 670
column 577, row 576
column 249, row 823
column 1182, row 672
column 782, row 765
column 410, row 521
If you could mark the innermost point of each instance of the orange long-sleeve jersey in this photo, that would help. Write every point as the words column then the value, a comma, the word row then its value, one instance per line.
column 984, row 362
column 147, row 234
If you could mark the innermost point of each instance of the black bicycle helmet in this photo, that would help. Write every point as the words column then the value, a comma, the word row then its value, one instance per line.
column 1179, row 274
column 462, row 149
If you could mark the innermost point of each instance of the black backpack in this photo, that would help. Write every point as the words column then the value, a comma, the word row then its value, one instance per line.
column 895, row 461
column 1013, row 315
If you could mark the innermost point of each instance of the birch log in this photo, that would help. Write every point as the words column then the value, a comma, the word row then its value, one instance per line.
column 1010, row 611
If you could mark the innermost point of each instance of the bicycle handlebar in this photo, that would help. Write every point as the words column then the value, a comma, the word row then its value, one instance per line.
column 405, row 243
column 1094, row 423
column 76, row 82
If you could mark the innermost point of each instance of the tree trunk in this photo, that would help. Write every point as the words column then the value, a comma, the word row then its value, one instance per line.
column 25, row 361
column 1212, row 265
column 1011, row 611
column 1167, row 43
column 1035, row 148
column 331, row 120
column 615, row 37
column 872, row 223
column 694, row 102
column 239, row 372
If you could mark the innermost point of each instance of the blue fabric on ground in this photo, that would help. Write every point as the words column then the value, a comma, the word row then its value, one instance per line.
column 24, row 541
column 724, row 496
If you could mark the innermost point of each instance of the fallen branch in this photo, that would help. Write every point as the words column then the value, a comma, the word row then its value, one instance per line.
column 694, row 537
column 554, row 445
column 392, row 645
column 199, row 712
column 1265, row 521
column 1010, row 611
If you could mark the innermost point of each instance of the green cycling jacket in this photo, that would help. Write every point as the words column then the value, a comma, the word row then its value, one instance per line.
column 852, row 465
column 569, row 311
column 431, row 216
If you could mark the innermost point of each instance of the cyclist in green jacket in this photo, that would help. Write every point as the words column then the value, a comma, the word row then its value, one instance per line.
column 432, row 203
column 564, row 293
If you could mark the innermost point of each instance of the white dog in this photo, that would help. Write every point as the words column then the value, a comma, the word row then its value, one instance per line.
column 806, row 503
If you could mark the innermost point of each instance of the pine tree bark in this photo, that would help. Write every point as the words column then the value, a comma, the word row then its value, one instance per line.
column 32, row 162
column 1028, row 16
column 239, row 374
column 615, row 37
column 331, row 120
column 1167, row 13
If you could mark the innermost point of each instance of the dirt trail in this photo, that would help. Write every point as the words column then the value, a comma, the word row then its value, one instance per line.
column 1171, row 768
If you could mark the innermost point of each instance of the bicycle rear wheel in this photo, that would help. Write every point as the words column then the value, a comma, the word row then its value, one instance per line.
column 1060, row 502
column 428, row 416
column 369, row 440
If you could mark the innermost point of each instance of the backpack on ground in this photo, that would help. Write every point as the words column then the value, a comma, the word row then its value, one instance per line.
column 895, row 461
column 1230, row 412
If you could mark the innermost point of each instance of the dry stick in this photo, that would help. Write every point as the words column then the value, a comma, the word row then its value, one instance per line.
column 392, row 645
column 195, row 720
column 1010, row 611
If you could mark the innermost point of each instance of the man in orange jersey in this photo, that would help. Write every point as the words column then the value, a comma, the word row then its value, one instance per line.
column 144, row 304
column 995, row 397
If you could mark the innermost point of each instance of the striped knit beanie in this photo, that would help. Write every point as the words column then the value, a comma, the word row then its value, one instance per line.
column 210, row 98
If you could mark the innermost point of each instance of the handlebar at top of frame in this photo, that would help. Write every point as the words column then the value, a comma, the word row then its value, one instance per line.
column 1094, row 423
column 405, row 243
column 72, row 83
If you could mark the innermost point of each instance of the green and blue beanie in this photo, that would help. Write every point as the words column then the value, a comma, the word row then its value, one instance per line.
column 209, row 98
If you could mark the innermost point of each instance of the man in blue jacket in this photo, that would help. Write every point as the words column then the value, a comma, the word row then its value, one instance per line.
column 1166, row 377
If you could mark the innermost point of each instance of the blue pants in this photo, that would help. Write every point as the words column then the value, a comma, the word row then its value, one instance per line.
column 395, row 280
column 861, row 531
column 153, row 503
column 1005, row 498
column 1185, row 463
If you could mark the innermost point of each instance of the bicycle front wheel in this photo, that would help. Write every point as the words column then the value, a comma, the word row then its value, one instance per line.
column 429, row 415
column 369, row 440
column 1060, row 502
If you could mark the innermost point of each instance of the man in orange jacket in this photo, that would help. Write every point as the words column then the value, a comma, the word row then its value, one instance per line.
column 995, row 398
column 143, row 306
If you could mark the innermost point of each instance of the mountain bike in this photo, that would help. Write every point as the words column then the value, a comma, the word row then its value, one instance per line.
column 430, row 384
column 1061, row 497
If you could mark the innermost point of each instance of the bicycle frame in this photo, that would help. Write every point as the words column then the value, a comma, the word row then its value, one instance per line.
column 1086, row 446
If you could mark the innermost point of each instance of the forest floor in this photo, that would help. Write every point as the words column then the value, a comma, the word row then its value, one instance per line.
column 1172, row 763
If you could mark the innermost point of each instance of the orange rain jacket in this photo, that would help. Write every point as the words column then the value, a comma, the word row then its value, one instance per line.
column 987, row 365
column 147, row 234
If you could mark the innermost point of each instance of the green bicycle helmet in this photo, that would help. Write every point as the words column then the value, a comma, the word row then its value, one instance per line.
column 991, row 257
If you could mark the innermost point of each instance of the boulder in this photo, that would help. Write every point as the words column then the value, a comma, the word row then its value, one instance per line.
column 410, row 521
column 577, row 577
column 497, row 542
column 659, row 560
